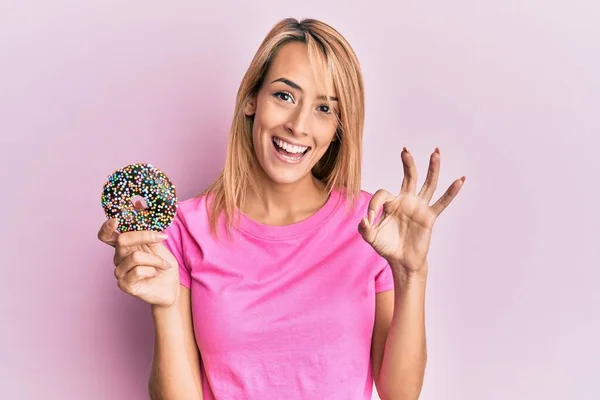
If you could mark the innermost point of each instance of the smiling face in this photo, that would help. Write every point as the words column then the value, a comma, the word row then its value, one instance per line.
column 294, row 123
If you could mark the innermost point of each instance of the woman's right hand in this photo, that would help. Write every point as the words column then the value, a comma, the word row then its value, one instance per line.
column 144, row 267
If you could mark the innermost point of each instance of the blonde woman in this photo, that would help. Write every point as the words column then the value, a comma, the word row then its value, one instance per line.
column 283, row 280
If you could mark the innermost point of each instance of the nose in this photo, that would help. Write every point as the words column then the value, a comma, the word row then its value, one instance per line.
column 299, row 121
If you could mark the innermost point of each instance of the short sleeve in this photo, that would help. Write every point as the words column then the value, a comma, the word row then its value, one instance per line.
column 177, row 237
column 384, row 280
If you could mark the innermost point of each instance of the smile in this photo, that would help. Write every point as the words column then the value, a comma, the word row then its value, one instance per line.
column 288, row 152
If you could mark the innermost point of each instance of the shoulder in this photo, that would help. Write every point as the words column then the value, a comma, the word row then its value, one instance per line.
column 364, row 197
column 192, row 206
column 191, row 212
column 350, row 209
column 361, row 201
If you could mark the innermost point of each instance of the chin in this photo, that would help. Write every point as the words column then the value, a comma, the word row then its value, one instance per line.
column 284, row 177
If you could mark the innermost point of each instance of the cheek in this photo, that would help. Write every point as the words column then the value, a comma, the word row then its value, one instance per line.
column 325, row 136
column 269, row 115
column 259, row 126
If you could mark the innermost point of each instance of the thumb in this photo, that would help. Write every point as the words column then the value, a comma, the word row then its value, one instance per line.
column 108, row 232
column 367, row 230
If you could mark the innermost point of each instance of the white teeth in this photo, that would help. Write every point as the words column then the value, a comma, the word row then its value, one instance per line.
column 290, row 147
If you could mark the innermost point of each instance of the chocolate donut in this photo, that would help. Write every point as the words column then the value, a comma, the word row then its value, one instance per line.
column 144, row 181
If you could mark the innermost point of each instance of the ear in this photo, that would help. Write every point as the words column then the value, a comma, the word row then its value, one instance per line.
column 250, row 106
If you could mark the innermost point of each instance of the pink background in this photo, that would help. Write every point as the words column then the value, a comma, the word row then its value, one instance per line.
column 508, row 89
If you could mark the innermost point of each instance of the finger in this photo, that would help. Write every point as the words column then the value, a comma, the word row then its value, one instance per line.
column 375, row 205
column 138, row 238
column 130, row 286
column 431, row 180
column 140, row 258
column 447, row 197
column 133, row 277
column 121, row 253
column 366, row 230
column 108, row 232
column 409, row 183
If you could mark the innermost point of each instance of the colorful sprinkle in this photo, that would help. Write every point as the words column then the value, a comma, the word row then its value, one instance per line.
column 143, row 180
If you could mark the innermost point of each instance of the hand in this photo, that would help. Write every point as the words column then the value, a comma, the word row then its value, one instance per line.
column 144, row 267
column 403, row 233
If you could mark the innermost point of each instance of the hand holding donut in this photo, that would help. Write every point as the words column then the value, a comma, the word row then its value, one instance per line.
column 144, row 267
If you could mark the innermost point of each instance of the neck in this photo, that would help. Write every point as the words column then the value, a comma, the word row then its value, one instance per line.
column 282, row 204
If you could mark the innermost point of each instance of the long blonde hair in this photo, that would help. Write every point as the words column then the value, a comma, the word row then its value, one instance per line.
column 340, row 166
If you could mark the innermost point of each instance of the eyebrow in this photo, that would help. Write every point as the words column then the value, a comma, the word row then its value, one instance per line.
column 297, row 87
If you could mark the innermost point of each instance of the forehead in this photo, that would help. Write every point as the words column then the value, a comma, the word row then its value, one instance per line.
column 292, row 62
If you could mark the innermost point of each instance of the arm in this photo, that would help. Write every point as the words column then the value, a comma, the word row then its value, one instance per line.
column 399, row 350
column 175, row 370
column 403, row 237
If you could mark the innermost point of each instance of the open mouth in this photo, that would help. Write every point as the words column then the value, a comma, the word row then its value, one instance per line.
column 289, row 152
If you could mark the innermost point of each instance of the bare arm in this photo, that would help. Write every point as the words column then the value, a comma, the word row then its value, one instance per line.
column 175, row 370
column 399, row 350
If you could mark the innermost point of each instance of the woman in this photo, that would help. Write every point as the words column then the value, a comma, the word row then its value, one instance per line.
column 284, row 280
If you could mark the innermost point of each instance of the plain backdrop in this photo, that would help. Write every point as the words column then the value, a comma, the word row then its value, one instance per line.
column 508, row 90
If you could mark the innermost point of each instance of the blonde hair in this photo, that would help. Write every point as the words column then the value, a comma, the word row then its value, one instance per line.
column 340, row 166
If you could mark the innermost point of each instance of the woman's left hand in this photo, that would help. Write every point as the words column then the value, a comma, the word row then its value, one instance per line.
column 403, row 233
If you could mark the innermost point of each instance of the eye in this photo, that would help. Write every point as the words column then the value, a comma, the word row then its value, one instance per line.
column 284, row 96
column 325, row 109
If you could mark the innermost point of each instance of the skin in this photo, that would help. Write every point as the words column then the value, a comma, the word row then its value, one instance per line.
column 402, row 236
column 293, row 110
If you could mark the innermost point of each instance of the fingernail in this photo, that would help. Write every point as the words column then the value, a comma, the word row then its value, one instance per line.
column 363, row 222
column 112, row 223
column 166, row 264
column 159, row 236
column 371, row 216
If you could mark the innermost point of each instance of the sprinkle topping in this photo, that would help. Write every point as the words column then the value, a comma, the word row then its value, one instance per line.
column 148, row 182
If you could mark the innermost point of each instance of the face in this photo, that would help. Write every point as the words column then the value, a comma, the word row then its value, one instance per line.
column 293, row 122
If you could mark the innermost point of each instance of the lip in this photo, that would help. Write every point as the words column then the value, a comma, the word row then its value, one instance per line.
column 291, row 142
column 286, row 160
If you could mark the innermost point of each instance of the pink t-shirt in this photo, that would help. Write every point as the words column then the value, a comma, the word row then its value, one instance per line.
column 282, row 312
